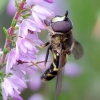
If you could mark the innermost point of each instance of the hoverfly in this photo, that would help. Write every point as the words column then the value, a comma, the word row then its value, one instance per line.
column 61, row 44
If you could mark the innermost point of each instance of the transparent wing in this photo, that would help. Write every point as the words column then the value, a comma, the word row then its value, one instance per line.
column 77, row 50
column 59, row 82
column 60, row 74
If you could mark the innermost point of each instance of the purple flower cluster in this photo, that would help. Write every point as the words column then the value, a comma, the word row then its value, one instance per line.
column 11, row 9
column 24, row 53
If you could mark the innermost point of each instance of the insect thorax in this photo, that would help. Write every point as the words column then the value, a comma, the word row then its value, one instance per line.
column 65, row 39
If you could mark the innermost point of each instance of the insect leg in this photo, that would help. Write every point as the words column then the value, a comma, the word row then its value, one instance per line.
column 46, row 44
column 46, row 57
column 48, row 27
column 47, row 22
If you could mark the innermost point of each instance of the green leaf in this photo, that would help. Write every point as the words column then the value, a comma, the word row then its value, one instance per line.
column 24, row 10
column 5, row 51
column 16, row 28
column 1, row 96
column 0, row 93
column 24, row 0
column 26, row 16
column 13, row 22
column 12, row 37
column 3, row 64
column 13, row 44
column 16, row 4
column 6, row 32
column 2, row 75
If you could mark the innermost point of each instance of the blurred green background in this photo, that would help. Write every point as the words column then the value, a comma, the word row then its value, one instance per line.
column 84, row 15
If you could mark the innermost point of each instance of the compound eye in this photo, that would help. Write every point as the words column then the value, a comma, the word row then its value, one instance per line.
column 61, row 26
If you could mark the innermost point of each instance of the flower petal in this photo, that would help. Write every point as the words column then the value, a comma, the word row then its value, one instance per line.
column 7, row 86
column 23, row 48
column 32, row 25
column 9, row 64
column 49, row 1
column 38, row 21
column 4, row 94
column 20, row 82
column 43, row 11
column 28, row 45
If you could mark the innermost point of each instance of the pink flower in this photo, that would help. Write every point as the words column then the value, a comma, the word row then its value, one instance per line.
column 11, row 5
column 24, row 53
column 34, row 78
column 11, row 87
column 23, row 69
column 41, row 57
column 39, row 14
column 10, row 61
column 28, row 40
column 34, row 81
column 27, row 37
column 49, row 1
column 26, row 25
column 27, row 50
column 36, row 97
column 72, row 69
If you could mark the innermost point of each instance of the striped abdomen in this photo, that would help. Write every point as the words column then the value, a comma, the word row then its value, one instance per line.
column 51, row 72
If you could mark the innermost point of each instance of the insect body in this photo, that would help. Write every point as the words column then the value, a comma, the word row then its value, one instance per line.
column 59, row 48
column 61, row 45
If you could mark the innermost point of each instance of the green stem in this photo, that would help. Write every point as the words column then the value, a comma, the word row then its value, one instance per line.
column 11, row 31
